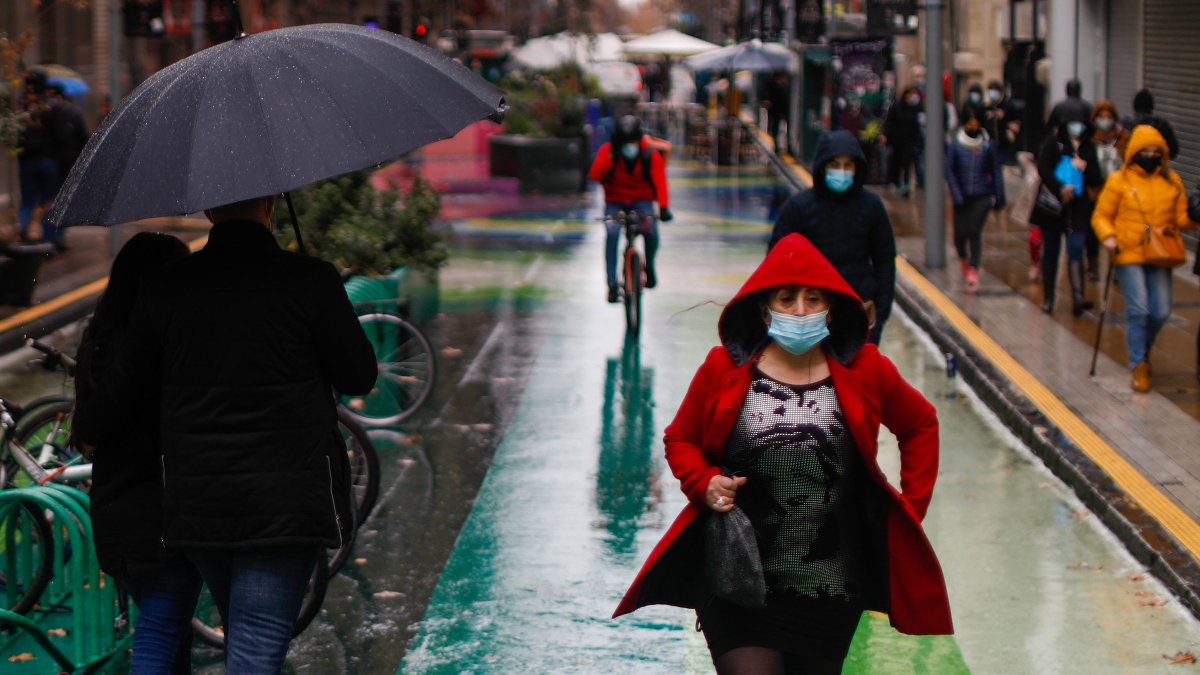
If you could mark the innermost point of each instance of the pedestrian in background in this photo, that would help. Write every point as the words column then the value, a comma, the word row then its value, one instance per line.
column 902, row 133
column 246, row 344
column 975, row 175
column 1000, row 121
column 70, row 137
column 37, row 162
column 127, row 491
column 1071, row 108
column 1141, row 210
column 799, row 460
column 1067, row 166
column 777, row 99
column 1143, row 113
column 1110, row 140
column 847, row 224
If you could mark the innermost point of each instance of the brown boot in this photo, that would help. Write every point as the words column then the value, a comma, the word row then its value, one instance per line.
column 1141, row 377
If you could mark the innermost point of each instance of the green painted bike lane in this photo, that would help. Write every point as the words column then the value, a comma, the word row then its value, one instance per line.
column 578, row 494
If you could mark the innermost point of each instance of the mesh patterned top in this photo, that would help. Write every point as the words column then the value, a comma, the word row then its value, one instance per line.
column 803, row 493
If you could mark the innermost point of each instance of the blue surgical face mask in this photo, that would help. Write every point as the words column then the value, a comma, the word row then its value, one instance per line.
column 798, row 334
column 629, row 151
column 839, row 180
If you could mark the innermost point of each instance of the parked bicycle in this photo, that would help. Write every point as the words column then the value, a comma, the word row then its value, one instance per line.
column 407, row 367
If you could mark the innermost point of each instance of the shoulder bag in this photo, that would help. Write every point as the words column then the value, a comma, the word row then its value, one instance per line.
column 1162, row 245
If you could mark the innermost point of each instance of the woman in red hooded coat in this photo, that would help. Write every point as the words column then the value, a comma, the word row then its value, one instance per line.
column 790, row 408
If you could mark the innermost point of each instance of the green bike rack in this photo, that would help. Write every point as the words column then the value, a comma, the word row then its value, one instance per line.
column 78, row 594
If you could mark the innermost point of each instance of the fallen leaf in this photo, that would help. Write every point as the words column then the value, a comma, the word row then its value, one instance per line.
column 451, row 351
column 1080, row 514
column 57, row 632
column 1153, row 603
column 1080, row 566
column 406, row 462
column 482, row 427
column 22, row 657
column 1146, row 594
column 360, row 561
column 1136, row 577
column 414, row 439
column 462, row 427
column 382, row 595
column 219, row 629
column 1047, row 484
column 1181, row 657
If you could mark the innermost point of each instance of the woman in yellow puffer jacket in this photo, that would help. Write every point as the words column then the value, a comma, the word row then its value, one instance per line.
column 1144, row 193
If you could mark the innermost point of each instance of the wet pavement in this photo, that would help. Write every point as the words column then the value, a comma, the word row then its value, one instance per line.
column 517, row 506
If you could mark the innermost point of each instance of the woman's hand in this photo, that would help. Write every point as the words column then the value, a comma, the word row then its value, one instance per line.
column 1068, row 193
column 1079, row 164
column 1110, row 243
column 721, row 491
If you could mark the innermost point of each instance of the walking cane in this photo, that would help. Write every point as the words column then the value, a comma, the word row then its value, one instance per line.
column 1103, row 311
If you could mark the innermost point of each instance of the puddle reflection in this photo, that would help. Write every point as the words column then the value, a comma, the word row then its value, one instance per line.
column 627, row 477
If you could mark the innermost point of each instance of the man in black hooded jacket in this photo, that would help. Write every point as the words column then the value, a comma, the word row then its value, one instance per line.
column 848, row 224
column 245, row 343
column 1143, row 113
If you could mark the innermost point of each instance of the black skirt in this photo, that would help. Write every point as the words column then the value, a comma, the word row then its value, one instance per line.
column 822, row 628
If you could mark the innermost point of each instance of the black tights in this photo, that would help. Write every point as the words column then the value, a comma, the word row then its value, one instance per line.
column 765, row 661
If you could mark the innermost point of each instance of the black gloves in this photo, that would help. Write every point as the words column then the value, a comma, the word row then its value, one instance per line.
column 664, row 214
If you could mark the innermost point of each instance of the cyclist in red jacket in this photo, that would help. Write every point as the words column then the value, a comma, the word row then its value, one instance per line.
column 634, row 176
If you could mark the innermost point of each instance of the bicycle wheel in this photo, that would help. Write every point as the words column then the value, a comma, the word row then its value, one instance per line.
column 31, row 567
column 206, row 622
column 407, row 370
column 364, row 464
column 43, row 432
column 633, row 292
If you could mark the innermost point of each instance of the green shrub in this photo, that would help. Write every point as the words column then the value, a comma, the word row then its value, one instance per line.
column 548, row 103
column 346, row 221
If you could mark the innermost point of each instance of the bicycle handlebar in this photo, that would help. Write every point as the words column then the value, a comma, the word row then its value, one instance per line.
column 54, row 357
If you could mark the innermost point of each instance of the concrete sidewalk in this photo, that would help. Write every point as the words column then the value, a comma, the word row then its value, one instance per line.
column 1156, row 432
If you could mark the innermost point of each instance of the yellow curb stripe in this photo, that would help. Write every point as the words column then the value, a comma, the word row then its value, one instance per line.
column 1140, row 490
column 36, row 312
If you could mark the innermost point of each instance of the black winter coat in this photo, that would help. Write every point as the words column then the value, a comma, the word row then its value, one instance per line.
column 1078, row 214
column 903, row 125
column 126, row 494
column 245, row 343
column 852, row 229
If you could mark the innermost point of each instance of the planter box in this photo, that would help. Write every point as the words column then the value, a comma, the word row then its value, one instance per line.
column 415, row 293
column 541, row 165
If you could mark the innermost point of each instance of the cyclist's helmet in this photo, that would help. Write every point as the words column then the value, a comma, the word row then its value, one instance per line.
column 627, row 130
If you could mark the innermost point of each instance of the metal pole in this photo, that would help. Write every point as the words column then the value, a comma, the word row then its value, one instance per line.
column 197, row 25
column 114, row 75
column 935, row 143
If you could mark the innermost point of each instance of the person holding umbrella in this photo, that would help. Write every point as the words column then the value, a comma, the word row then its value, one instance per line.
column 246, row 343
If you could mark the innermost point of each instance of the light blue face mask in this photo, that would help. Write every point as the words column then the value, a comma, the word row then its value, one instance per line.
column 629, row 151
column 1075, row 129
column 798, row 334
column 839, row 180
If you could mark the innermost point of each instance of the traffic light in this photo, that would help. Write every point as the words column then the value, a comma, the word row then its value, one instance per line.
column 421, row 30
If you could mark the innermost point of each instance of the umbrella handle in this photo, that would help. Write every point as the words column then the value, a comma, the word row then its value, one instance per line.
column 287, row 197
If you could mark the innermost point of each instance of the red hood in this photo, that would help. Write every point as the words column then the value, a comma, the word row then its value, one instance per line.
column 793, row 261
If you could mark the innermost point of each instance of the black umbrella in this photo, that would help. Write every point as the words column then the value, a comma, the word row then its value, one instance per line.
column 264, row 114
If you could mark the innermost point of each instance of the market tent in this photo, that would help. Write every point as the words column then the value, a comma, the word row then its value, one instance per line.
column 669, row 42
column 753, row 55
column 552, row 51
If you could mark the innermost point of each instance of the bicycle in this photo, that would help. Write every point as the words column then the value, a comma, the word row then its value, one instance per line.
column 633, row 272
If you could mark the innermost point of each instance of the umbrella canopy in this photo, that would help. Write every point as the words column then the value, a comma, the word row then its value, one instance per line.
column 556, row 50
column 753, row 55
column 71, row 86
column 669, row 42
column 265, row 114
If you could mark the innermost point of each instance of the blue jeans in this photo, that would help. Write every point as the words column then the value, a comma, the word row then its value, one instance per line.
column 40, row 181
column 259, row 594
column 613, row 234
column 162, row 639
column 1147, row 293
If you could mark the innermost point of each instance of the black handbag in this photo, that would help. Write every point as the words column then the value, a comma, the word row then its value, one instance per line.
column 1047, row 201
column 733, row 563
